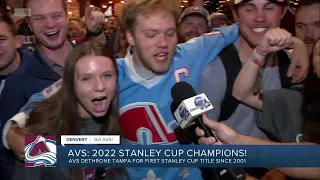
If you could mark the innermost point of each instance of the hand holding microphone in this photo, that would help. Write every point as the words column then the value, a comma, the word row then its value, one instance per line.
column 189, row 112
column 188, row 107
column 225, row 134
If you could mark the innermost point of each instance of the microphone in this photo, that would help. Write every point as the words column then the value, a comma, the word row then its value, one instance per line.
column 187, row 113
column 191, row 107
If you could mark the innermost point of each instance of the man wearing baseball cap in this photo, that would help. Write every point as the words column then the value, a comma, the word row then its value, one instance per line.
column 255, row 18
column 194, row 22
column 217, row 20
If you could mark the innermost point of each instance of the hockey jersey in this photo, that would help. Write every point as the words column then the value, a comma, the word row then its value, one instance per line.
column 146, row 117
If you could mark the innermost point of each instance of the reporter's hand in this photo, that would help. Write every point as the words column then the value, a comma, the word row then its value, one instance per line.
column 225, row 134
column 248, row 177
column 274, row 174
column 16, row 142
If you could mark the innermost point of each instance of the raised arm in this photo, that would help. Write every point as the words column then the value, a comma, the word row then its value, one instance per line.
column 244, row 88
column 94, row 20
column 245, row 85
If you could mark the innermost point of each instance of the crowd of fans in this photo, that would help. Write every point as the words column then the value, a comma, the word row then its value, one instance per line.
column 113, row 75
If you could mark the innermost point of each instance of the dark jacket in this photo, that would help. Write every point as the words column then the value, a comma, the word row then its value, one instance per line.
column 35, row 76
column 19, row 87
column 281, row 115
column 5, row 156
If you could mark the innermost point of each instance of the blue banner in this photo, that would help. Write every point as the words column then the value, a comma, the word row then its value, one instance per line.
column 188, row 156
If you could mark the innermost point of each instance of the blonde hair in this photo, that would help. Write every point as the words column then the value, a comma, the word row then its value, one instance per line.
column 134, row 8
column 64, row 4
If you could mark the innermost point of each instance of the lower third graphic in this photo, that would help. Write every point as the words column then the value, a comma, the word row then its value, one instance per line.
column 40, row 151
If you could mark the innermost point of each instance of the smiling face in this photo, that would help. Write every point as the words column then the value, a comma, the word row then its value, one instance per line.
column 255, row 18
column 75, row 30
column 8, row 46
column 193, row 26
column 49, row 22
column 154, row 39
column 307, row 26
column 95, row 85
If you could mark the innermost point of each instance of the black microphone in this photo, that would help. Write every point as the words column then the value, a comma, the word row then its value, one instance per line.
column 182, row 91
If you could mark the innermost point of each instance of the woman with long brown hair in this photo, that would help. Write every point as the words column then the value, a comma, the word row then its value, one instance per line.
column 86, row 104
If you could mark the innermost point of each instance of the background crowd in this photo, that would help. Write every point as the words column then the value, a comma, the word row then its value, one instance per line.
column 113, row 75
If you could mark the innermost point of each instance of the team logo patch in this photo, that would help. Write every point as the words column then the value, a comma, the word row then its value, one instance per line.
column 40, row 151
column 196, row 9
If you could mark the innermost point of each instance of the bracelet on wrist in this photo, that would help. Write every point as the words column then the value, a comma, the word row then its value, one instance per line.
column 257, row 58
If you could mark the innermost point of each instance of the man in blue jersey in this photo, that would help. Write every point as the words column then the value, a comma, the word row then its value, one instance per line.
column 149, row 72
column 153, row 64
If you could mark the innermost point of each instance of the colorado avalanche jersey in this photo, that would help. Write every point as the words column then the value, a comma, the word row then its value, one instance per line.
column 146, row 117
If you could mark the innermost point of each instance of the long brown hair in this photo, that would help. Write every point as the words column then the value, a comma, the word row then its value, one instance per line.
column 58, row 115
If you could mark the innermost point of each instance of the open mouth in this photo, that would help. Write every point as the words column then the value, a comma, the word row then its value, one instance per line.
column 99, row 104
column 52, row 35
column 259, row 30
column 161, row 57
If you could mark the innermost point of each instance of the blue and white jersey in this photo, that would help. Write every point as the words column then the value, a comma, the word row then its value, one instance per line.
column 146, row 117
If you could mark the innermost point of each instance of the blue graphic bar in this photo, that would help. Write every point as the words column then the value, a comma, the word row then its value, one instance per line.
column 188, row 156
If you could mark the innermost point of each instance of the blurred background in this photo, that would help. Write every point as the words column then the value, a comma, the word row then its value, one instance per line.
column 76, row 7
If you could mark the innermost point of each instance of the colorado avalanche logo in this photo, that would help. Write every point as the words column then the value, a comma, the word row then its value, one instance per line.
column 40, row 151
